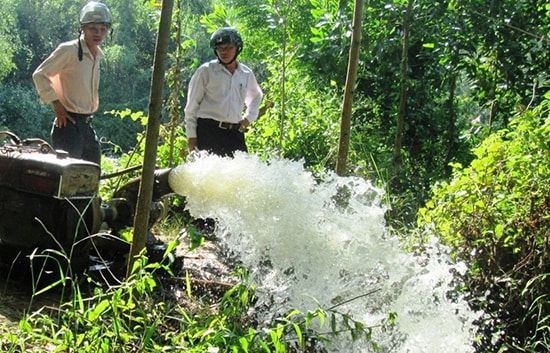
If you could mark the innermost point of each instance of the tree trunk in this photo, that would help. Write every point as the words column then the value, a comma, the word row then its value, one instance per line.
column 176, row 82
column 403, row 96
column 141, row 219
column 451, row 145
column 345, row 125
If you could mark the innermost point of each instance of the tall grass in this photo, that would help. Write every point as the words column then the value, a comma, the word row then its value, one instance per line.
column 142, row 314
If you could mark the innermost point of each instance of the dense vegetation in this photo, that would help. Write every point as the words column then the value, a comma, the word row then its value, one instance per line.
column 475, row 122
column 495, row 214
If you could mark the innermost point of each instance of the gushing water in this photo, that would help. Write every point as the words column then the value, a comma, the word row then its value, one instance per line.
column 308, row 242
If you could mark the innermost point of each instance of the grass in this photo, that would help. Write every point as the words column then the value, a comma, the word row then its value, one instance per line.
column 143, row 314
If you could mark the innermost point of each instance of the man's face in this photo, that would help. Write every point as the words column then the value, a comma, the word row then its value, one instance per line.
column 226, row 52
column 94, row 33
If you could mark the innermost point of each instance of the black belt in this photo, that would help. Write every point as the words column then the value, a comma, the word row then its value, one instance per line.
column 222, row 124
column 85, row 118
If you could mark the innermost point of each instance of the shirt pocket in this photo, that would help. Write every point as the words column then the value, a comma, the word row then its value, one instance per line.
column 242, row 87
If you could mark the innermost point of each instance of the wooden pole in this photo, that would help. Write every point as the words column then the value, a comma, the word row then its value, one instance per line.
column 345, row 124
column 141, row 218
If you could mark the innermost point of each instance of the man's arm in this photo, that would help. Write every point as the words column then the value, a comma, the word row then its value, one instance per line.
column 253, row 99
column 42, row 76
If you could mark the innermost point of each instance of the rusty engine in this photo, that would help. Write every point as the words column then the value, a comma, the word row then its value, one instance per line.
column 49, row 203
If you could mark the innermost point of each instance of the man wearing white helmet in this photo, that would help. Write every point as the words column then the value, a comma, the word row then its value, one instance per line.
column 69, row 80
column 223, row 98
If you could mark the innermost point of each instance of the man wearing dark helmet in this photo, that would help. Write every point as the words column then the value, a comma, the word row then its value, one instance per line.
column 223, row 98
column 69, row 80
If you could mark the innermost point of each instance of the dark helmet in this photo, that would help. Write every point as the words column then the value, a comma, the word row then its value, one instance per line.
column 226, row 35
column 95, row 12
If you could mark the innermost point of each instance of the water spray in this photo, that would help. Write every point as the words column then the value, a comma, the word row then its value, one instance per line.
column 310, row 242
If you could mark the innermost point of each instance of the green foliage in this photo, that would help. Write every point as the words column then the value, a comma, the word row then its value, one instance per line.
column 21, row 113
column 307, row 130
column 496, row 216
column 125, row 165
column 40, row 27
column 133, row 316
column 170, row 144
column 511, row 54
column 9, row 42
column 116, row 317
column 468, row 61
column 330, row 36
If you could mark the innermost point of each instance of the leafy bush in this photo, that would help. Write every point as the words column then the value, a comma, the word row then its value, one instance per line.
column 135, row 316
column 22, row 113
column 306, row 128
column 496, row 216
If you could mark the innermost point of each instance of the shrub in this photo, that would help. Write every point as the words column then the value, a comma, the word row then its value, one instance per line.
column 496, row 216
column 22, row 113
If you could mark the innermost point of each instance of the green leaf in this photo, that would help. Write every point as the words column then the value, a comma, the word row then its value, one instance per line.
column 99, row 309
column 499, row 231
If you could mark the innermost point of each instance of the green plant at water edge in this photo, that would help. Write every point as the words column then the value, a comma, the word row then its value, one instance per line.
column 134, row 316
column 233, row 326
column 496, row 216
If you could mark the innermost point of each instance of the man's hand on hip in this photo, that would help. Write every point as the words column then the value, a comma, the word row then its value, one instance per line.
column 61, row 114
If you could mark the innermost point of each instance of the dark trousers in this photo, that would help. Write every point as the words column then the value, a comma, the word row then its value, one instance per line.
column 222, row 142
column 78, row 139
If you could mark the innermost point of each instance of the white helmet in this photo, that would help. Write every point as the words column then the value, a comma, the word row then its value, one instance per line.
column 95, row 12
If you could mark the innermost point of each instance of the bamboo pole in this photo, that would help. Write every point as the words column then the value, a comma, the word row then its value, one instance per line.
column 141, row 218
column 345, row 124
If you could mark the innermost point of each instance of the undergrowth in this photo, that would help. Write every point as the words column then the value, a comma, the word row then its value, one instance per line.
column 495, row 214
column 141, row 314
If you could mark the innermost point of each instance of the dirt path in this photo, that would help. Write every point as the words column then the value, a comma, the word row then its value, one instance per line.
column 16, row 299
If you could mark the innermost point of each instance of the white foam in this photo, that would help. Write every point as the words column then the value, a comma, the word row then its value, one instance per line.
column 325, row 240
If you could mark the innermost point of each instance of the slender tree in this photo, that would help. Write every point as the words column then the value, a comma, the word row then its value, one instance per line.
column 141, row 220
column 351, row 77
column 403, row 96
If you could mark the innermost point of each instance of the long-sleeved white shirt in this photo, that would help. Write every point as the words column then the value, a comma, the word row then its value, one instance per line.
column 75, row 83
column 215, row 93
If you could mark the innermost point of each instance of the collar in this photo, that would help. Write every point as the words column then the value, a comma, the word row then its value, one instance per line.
column 86, row 51
column 220, row 66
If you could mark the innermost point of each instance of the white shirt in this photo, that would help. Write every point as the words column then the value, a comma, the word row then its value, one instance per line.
column 75, row 83
column 215, row 93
